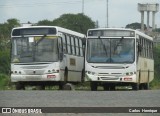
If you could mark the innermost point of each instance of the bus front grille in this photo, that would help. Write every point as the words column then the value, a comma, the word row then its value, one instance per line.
column 109, row 78
column 110, row 74
column 34, row 72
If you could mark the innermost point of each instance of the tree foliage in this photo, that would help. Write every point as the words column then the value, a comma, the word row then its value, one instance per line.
column 135, row 26
column 45, row 22
column 157, row 58
column 5, row 32
column 156, row 82
column 5, row 61
column 77, row 22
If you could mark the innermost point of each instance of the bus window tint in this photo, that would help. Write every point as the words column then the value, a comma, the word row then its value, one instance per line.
column 111, row 50
column 72, row 46
column 77, row 46
column 26, row 51
column 122, row 50
column 68, row 45
column 81, row 49
column 64, row 43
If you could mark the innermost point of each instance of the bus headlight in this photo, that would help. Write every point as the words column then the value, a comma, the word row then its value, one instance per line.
column 93, row 73
column 16, row 72
column 55, row 71
column 89, row 72
column 130, row 73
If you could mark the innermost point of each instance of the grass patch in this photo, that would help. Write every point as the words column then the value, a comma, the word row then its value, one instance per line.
column 5, row 82
column 155, row 84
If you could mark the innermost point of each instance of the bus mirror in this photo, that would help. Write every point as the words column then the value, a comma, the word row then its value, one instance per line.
column 61, row 56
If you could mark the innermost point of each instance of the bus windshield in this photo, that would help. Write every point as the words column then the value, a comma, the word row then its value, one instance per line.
column 34, row 49
column 113, row 50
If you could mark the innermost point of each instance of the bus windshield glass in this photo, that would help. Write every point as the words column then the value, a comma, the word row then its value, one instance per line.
column 34, row 49
column 113, row 50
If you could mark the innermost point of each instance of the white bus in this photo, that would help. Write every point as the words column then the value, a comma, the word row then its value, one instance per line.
column 118, row 56
column 46, row 55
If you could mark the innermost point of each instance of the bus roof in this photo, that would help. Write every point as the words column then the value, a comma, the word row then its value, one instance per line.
column 125, row 29
column 59, row 29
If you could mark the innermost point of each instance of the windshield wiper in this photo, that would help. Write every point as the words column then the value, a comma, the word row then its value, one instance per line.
column 118, row 44
column 104, row 47
column 36, row 44
column 40, row 39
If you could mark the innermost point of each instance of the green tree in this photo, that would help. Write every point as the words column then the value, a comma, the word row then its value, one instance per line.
column 156, row 82
column 5, row 33
column 77, row 22
column 45, row 22
column 135, row 26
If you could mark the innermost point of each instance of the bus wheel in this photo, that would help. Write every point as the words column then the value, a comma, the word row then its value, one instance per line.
column 68, row 86
column 82, row 75
column 146, row 86
column 135, row 86
column 93, row 86
column 141, row 86
column 66, row 76
column 20, row 86
column 63, row 83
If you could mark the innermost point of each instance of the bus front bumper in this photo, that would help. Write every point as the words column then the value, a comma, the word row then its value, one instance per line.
column 123, row 78
column 45, row 77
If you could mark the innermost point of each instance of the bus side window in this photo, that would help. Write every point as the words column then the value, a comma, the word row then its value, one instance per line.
column 77, row 46
column 60, row 45
column 81, row 47
column 72, row 45
column 68, row 44
column 148, row 49
column 64, row 43
column 152, row 50
column 143, row 48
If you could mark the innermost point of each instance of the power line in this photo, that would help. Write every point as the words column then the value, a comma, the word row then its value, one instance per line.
column 39, row 4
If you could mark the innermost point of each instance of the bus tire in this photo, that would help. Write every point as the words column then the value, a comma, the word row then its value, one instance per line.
column 82, row 75
column 93, row 86
column 68, row 86
column 146, row 86
column 135, row 86
column 141, row 86
column 63, row 83
column 66, row 75
column 20, row 86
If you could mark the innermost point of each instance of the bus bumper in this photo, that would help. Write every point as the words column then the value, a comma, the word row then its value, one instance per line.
column 124, row 78
column 27, row 78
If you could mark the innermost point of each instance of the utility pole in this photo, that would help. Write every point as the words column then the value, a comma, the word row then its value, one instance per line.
column 107, row 13
column 82, row 6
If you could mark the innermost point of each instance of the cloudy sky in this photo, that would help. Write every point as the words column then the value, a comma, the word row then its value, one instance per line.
column 121, row 12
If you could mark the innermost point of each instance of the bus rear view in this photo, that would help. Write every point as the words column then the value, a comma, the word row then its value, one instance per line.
column 112, row 59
